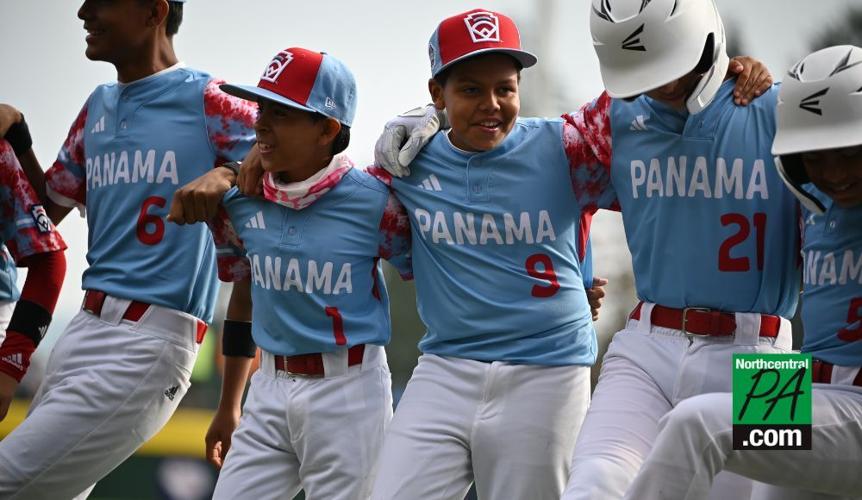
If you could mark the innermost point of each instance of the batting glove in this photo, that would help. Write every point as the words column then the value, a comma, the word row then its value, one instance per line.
column 406, row 135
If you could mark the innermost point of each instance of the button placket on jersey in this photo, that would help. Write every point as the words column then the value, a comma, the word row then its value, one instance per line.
column 831, row 222
column 478, row 180
column 291, row 228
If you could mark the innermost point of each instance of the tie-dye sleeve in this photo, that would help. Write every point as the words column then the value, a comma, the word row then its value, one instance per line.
column 66, row 180
column 395, row 245
column 230, row 252
column 230, row 123
column 24, row 226
column 587, row 142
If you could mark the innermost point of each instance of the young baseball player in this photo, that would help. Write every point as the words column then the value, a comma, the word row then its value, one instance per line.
column 123, row 364
column 317, row 409
column 503, row 380
column 819, row 143
column 30, row 237
column 687, row 166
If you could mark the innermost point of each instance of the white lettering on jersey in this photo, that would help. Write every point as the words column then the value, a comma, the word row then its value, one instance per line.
column 460, row 229
column 113, row 168
column 674, row 181
column 822, row 269
column 318, row 278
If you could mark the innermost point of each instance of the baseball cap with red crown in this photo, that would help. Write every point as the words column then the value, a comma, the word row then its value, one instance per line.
column 473, row 33
column 307, row 80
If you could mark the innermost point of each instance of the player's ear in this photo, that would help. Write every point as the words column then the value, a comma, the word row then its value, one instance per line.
column 329, row 131
column 158, row 13
column 436, row 91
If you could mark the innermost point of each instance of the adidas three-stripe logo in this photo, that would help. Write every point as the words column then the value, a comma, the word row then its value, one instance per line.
column 638, row 124
column 256, row 222
column 431, row 184
column 15, row 360
column 99, row 126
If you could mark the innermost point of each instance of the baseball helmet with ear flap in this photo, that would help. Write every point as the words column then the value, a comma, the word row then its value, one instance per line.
column 819, row 107
column 645, row 44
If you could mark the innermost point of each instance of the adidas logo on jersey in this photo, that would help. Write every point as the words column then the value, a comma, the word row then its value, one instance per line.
column 431, row 184
column 171, row 392
column 809, row 221
column 99, row 126
column 256, row 222
column 42, row 330
column 639, row 123
column 15, row 360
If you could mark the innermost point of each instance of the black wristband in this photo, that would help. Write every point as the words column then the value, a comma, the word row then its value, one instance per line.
column 18, row 136
column 236, row 339
column 30, row 319
column 233, row 166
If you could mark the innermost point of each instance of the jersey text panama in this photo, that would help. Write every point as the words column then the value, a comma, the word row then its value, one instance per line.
column 467, row 228
column 131, row 167
column 266, row 272
column 650, row 180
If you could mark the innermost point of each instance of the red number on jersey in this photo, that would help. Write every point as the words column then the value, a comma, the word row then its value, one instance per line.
column 337, row 325
column 854, row 315
column 547, row 273
column 741, row 264
column 145, row 220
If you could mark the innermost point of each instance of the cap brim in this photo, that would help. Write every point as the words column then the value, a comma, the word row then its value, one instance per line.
column 255, row 94
column 525, row 58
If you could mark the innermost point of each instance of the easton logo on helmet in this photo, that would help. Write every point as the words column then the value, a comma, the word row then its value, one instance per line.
column 812, row 102
column 633, row 41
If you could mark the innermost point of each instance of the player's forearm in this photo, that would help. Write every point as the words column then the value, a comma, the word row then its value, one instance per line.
column 237, row 345
column 33, row 171
column 236, row 370
column 44, row 278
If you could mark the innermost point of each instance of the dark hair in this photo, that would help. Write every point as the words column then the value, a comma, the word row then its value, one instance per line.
column 341, row 141
column 175, row 18
column 443, row 76
column 708, row 55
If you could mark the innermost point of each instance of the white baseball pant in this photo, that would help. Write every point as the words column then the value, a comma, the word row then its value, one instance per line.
column 646, row 372
column 321, row 435
column 110, row 385
column 696, row 442
column 508, row 427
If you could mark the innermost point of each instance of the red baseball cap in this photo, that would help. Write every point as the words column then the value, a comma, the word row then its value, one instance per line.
column 473, row 33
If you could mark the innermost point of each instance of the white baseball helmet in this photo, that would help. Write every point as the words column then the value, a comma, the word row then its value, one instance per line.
column 644, row 44
column 819, row 107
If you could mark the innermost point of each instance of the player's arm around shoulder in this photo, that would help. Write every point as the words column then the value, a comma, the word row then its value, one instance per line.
column 394, row 229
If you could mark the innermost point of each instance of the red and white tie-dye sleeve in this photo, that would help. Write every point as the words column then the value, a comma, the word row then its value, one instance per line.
column 587, row 142
column 230, row 123
column 395, row 243
column 230, row 252
column 25, row 228
column 66, row 180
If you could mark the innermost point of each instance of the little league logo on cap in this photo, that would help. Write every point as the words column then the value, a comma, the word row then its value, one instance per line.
column 279, row 62
column 474, row 33
column 483, row 27
column 307, row 80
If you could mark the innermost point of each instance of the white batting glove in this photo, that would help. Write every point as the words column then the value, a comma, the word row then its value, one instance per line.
column 405, row 135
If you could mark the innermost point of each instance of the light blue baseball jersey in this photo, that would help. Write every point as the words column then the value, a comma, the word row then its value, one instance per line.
column 832, row 292
column 706, row 215
column 25, row 229
column 131, row 147
column 495, row 248
column 316, row 278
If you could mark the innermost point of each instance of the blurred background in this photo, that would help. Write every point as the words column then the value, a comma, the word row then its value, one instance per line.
column 46, row 76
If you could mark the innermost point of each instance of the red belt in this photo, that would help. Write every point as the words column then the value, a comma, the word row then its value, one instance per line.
column 821, row 373
column 95, row 299
column 312, row 364
column 702, row 321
